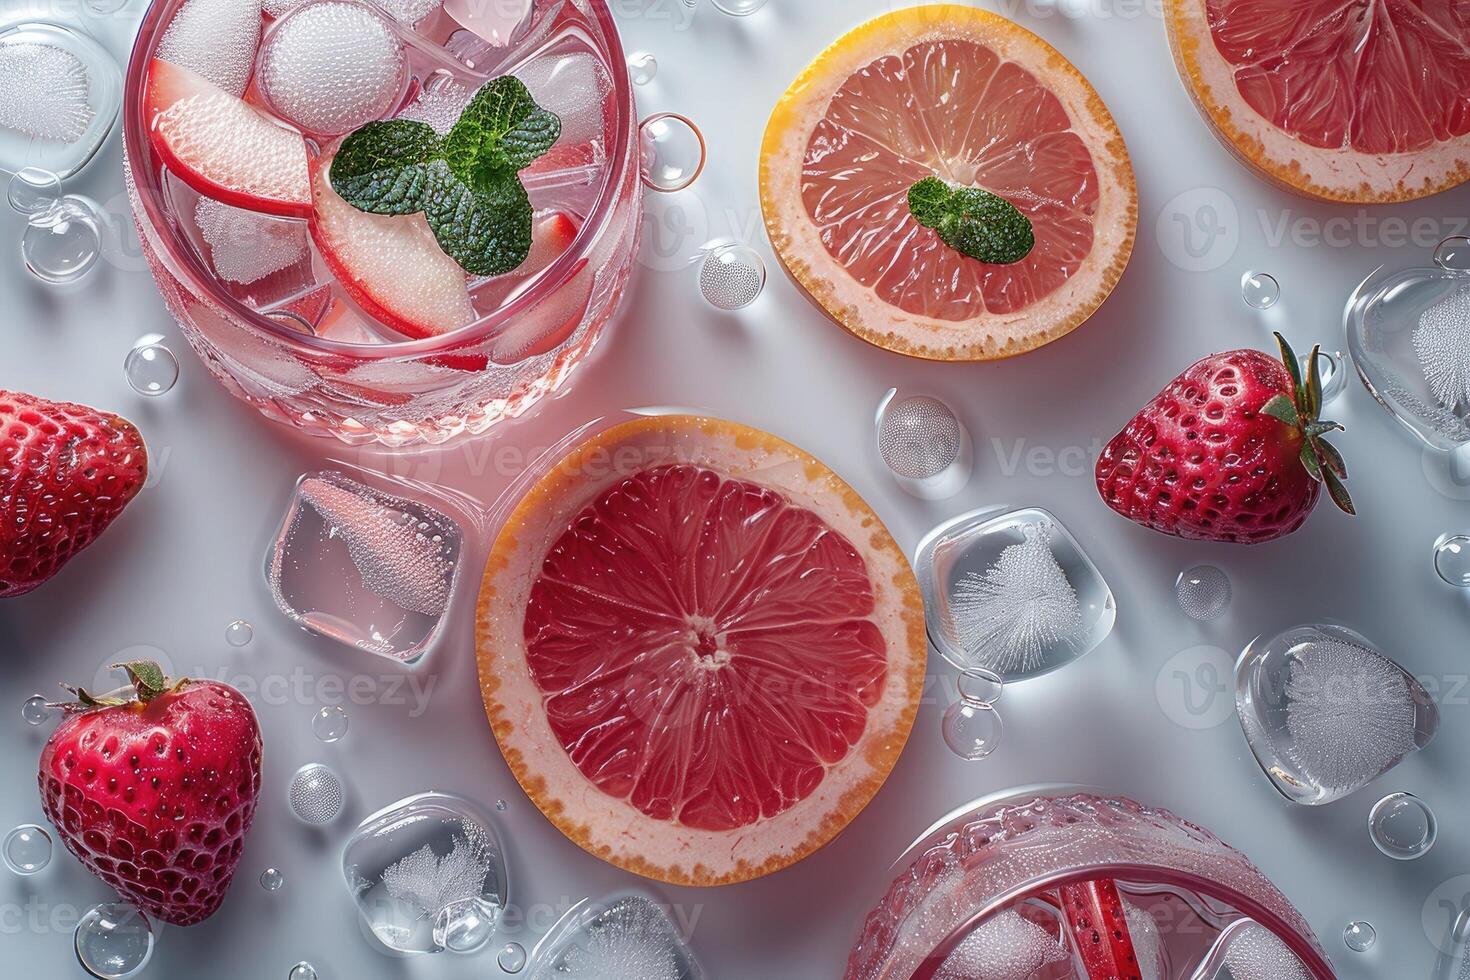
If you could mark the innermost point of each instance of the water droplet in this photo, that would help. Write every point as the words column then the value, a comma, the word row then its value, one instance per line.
column 35, row 710
column 272, row 880
column 33, row 190
column 316, row 794
column 1453, row 254
column 302, row 971
column 62, row 243
column 500, row 805
column 732, row 277
column 466, row 926
column 239, row 633
column 1359, row 936
column 642, row 67
column 1402, row 826
column 511, row 958
column 1259, row 290
column 1204, row 592
column 330, row 723
column 739, row 8
column 27, row 849
column 673, row 152
column 972, row 731
column 1334, row 378
column 1452, row 559
column 114, row 941
column 150, row 367
column 981, row 685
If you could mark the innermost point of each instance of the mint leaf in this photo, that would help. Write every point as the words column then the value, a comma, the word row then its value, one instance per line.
column 466, row 182
column 973, row 222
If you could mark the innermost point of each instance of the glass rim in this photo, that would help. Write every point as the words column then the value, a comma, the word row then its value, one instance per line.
column 184, row 264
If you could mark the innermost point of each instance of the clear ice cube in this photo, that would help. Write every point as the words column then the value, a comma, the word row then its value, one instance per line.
column 59, row 96
column 428, row 873
column 1247, row 950
column 245, row 246
column 624, row 936
column 365, row 567
column 1326, row 713
column 569, row 80
column 1011, row 592
column 439, row 104
column 216, row 39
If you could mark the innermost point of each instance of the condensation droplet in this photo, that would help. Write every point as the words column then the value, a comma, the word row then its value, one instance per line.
column 150, row 367
column 732, row 277
column 1260, row 290
column 35, row 710
column 62, row 243
column 1402, row 826
column 511, row 958
column 1453, row 254
column 272, row 880
column 673, row 152
column 1204, row 592
column 330, row 723
column 972, row 731
column 642, row 67
column 500, row 805
column 27, row 849
column 1452, row 559
column 239, row 633
column 33, row 190
column 1359, row 936
column 114, row 941
column 316, row 794
column 302, row 971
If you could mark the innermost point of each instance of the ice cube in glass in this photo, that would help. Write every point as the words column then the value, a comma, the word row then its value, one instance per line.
column 626, row 935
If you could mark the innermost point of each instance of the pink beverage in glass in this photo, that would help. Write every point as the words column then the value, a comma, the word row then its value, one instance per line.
column 1071, row 885
column 358, row 325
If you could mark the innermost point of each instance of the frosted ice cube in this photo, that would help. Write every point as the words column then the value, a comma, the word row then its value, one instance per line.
column 364, row 567
column 330, row 67
column 628, row 936
column 1247, row 950
column 1442, row 341
column 575, row 86
column 216, row 39
column 244, row 246
column 1148, row 942
column 428, row 873
column 1005, row 946
column 44, row 92
column 409, row 13
column 439, row 105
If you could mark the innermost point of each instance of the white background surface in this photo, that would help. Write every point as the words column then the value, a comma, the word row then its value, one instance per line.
column 186, row 558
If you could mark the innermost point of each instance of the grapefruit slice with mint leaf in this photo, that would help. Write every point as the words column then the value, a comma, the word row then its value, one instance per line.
column 700, row 651
column 1362, row 102
column 951, row 99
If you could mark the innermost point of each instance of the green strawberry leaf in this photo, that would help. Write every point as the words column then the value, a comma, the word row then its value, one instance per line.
column 147, row 677
column 1293, row 366
column 973, row 222
column 1311, row 462
column 1331, row 458
column 466, row 182
column 1338, row 492
column 1312, row 387
column 1283, row 409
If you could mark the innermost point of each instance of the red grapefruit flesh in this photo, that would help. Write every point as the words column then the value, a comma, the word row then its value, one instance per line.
column 1365, row 101
column 223, row 147
column 969, row 97
column 700, row 651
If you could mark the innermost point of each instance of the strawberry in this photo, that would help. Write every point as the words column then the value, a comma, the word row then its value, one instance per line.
column 66, row 471
column 1231, row 450
column 154, row 793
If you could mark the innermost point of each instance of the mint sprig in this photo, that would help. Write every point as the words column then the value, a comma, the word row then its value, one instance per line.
column 973, row 222
column 467, row 182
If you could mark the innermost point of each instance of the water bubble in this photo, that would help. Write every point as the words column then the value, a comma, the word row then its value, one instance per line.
column 1402, row 826
column 511, row 958
column 919, row 437
column 1453, row 254
column 732, row 277
column 114, row 941
column 239, row 633
column 1359, row 936
column 61, row 244
column 27, row 849
column 33, row 190
column 316, row 794
column 972, row 731
column 302, row 971
column 642, row 67
column 739, row 8
column 272, row 880
column 466, row 926
column 1452, row 559
column 330, row 723
column 35, row 710
column 1203, row 591
column 981, row 686
column 673, row 152
column 1334, row 378
column 1259, row 290
column 150, row 367
column 500, row 805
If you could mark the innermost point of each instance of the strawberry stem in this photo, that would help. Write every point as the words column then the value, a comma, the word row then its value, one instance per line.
column 1300, row 410
column 147, row 677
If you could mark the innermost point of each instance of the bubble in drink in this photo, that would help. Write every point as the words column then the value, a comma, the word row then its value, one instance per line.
column 114, row 941
column 673, row 152
column 62, row 244
column 33, row 190
column 44, row 91
column 732, row 277
column 151, row 368
column 27, row 849
column 1259, row 290
column 331, row 67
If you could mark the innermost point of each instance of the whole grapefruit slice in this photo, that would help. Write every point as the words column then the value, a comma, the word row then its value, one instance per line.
column 966, row 96
column 1345, row 100
column 699, row 650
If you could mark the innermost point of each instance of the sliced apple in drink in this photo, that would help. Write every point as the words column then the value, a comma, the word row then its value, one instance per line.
column 223, row 147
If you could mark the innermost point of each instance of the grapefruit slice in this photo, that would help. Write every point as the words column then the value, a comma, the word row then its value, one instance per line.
column 1365, row 101
column 967, row 96
column 699, row 650
column 223, row 147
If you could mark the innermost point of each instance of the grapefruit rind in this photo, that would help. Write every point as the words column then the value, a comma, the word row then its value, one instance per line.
column 1339, row 174
column 856, row 307
column 613, row 829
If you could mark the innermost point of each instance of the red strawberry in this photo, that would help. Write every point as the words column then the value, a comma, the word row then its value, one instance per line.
column 66, row 471
column 1095, row 914
column 1231, row 450
column 155, row 794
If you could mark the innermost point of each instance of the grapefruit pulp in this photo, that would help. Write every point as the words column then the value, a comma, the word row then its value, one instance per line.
column 1365, row 101
column 699, row 650
column 967, row 96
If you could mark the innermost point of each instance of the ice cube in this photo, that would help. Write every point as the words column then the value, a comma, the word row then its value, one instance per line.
column 44, row 92
column 1247, row 950
column 330, row 67
column 628, row 936
column 1148, row 942
column 1005, row 946
column 409, row 13
column 499, row 22
column 428, row 874
column 574, row 85
column 215, row 39
column 365, row 567
column 244, row 246
column 439, row 105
